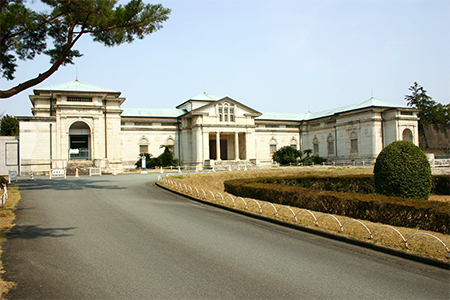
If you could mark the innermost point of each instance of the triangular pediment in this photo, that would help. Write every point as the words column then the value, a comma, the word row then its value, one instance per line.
column 226, row 101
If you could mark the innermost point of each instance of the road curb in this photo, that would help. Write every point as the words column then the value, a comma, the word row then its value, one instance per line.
column 383, row 249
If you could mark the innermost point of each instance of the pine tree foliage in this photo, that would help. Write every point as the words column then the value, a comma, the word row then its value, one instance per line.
column 9, row 126
column 431, row 112
column 24, row 32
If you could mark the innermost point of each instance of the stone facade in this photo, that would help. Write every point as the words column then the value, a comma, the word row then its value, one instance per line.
column 77, row 121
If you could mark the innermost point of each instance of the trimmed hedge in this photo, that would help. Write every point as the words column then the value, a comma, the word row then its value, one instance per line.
column 403, row 170
column 396, row 211
column 359, row 184
column 364, row 184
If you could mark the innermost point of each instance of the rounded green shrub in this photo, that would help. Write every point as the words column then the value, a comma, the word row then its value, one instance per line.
column 403, row 170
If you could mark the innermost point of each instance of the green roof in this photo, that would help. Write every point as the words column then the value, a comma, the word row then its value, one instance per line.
column 149, row 112
column 372, row 102
column 206, row 96
column 76, row 86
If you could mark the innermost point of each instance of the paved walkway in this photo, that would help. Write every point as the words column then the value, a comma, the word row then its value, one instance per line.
column 121, row 237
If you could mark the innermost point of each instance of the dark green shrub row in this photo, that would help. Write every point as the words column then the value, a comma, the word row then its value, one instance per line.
column 364, row 184
column 423, row 214
column 441, row 185
column 3, row 180
column 359, row 184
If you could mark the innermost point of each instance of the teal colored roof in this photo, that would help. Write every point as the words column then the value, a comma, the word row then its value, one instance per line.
column 206, row 96
column 152, row 112
column 76, row 86
column 282, row 116
column 372, row 102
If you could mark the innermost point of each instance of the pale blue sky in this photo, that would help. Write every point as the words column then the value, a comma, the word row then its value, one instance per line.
column 273, row 56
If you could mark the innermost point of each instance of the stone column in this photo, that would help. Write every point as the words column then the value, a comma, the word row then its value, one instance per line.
column 236, row 145
column 198, row 145
column 206, row 154
column 218, row 146
column 250, row 145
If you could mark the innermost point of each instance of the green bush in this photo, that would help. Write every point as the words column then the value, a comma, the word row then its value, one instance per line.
column 403, row 170
column 3, row 180
column 441, row 185
column 287, row 155
column 166, row 159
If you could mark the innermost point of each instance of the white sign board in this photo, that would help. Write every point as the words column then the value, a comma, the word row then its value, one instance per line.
column 58, row 173
column 12, row 176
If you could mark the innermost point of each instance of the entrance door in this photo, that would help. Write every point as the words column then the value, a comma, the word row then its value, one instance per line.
column 79, row 141
column 223, row 149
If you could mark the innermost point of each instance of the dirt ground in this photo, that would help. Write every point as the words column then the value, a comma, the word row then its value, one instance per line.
column 439, row 198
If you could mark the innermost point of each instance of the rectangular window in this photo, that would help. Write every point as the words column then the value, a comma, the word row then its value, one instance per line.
column 226, row 118
column 79, row 99
column 220, row 118
column 143, row 149
column 316, row 148
column 330, row 147
column 231, row 118
column 273, row 148
column 354, row 145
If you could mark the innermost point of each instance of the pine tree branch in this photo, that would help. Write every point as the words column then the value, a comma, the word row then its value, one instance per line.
column 42, row 76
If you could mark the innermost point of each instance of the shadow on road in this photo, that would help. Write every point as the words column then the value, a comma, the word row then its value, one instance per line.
column 67, row 184
column 34, row 231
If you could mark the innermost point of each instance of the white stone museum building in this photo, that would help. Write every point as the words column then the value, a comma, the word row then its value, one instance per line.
column 77, row 121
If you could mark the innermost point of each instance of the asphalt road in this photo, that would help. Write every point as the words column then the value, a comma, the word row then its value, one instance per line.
column 121, row 237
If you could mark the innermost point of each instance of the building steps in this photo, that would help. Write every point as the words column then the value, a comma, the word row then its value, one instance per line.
column 82, row 166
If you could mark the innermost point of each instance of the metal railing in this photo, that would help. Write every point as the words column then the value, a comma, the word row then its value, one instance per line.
column 219, row 198
column 80, row 154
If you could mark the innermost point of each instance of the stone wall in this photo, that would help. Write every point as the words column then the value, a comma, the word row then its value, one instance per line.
column 435, row 138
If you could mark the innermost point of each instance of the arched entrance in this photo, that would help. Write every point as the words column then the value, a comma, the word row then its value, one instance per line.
column 407, row 135
column 79, row 141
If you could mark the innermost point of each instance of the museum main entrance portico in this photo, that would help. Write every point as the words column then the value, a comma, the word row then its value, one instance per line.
column 227, row 146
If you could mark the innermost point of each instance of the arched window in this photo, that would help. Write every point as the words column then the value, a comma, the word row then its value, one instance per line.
column 293, row 143
column 143, row 145
column 315, row 146
column 330, row 144
column 407, row 135
column 353, row 142
column 170, row 142
column 226, row 112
